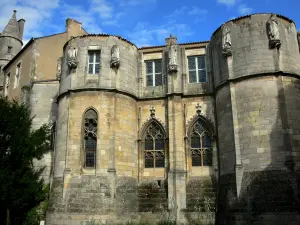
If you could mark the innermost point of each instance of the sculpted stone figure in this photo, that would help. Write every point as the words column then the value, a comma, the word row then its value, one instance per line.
column 115, row 57
column 298, row 37
column 58, row 68
column 72, row 57
column 173, row 58
column 273, row 32
column 226, row 42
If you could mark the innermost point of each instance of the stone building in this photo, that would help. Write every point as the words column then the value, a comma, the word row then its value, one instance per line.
column 205, row 131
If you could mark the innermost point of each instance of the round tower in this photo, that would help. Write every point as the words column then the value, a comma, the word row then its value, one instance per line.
column 96, row 149
column 11, row 39
column 257, row 75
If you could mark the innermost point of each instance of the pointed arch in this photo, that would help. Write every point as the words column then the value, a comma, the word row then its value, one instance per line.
column 90, row 128
column 200, row 136
column 153, row 138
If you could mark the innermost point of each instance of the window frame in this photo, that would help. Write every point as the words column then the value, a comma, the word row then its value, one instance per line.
column 85, row 134
column 202, row 149
column 17, row 75
column 153, row 74
column 196, row 57
column 7, row 83
column 94, row 63
column 154, row 151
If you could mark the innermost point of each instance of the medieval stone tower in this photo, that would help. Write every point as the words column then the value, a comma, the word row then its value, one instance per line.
column 203, row 132
column 10, row 42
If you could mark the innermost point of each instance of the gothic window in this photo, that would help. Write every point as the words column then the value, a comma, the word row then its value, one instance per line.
column 90, row 137
column 9, row 48
column 154, row 72
column 154, row 147
column 197, row 71
column 94, row 62
column 200, row 145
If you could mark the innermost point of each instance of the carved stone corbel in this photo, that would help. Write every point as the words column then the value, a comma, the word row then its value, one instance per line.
column 273, row 32
column 115, row 57
column 298, row 38
column 172, row 66
column 58, row 68
column 72, row 57
column 226, row 41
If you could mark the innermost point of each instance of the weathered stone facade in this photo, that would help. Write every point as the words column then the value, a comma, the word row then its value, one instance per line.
column 241, row 89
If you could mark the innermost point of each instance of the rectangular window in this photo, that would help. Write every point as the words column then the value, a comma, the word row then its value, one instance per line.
column 154, row 72
column 197, row 71
column 7, row 82
column 94, row 62
column 17, row 77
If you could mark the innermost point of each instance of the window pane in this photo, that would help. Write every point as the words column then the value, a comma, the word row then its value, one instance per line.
column 157, row 66
column 206, row 141
column 149, row 161
column 149, row 80
column 90, row 159
column 207, row 158
column 158, row 79
column 195, row 142
column 91, row 57
column 90, row 143
column 97, row 57
column 159, row 144
column 90, row 68
column 149, row 145
column 159, row 160
column 97, row 68
column 149, row 68
column 202, row 75
column 191, row 63
column 192, row 77
column 201, row 62
column 196, row 160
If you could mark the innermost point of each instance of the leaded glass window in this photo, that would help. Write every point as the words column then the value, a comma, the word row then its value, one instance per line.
column 94, row 62
column 197, row 71
column 201, row 145
column 154, row 146
column 154, row 73
column 90, row 137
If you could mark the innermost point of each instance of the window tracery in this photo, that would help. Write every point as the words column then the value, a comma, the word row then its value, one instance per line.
column 154, row 147
column 200, row 145
column 90, row 137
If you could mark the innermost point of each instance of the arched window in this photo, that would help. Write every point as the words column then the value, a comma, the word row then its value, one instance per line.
column 154, row 146
column 201, row 145
column 90, row 138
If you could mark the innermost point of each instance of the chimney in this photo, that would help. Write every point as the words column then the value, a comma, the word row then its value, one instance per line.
column 73, row 28
column 21, row 23
column 171, row 40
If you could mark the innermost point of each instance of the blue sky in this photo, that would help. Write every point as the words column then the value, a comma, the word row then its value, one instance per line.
column 144, row 22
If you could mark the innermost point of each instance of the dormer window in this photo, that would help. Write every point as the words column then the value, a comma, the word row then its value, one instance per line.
column 94, row 62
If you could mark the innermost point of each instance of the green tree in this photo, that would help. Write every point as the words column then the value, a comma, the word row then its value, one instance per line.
column 21, row 188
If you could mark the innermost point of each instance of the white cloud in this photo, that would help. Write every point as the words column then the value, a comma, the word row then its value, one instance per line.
column 144, row 35
column 243, row 9
column 135, row 2
column 197, row 11
column 103, row 8
column 227, row 2
column 35, row 13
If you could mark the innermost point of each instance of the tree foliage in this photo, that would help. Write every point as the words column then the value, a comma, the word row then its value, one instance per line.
column 21, row 187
